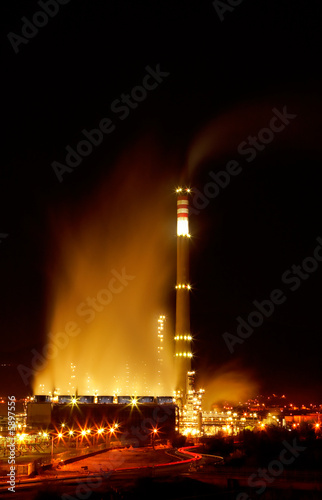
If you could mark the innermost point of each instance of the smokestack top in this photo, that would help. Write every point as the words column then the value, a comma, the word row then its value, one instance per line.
column 182, row 214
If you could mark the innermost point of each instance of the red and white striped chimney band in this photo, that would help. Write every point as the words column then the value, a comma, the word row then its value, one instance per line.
column 182, row 207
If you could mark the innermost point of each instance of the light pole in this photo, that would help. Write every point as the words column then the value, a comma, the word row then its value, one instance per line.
column 153, row 434
column 99, row 433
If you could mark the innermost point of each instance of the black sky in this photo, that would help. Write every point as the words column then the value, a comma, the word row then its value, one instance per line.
column 264, row 54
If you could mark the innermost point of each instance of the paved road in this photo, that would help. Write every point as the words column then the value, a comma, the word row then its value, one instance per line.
column 107, row 471
column 183, row 462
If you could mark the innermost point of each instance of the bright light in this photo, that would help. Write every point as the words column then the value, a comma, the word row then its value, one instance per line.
column 71, row 433
column 74, row 401
column 185, row 354
column 134, row 401
column 60, row 435
column 45, row 434
column 182, row 226
column 83, row 433
column 116, row 426
column 88, row 431
column 22, row 437
column 99, row 431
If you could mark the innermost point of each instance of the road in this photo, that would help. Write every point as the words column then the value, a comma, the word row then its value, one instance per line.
column 117, row 470
column 107, row 471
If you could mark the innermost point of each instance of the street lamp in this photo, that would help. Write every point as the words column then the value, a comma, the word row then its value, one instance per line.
column 99, row 433
column 70, row 435
column 154, row 433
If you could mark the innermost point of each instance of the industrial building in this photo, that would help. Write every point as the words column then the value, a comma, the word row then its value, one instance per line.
column 132, row 419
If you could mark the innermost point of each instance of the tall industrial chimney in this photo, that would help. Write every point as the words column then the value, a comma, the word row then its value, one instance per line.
column 183, row 353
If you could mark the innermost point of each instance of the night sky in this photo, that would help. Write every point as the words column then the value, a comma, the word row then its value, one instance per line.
column 224, row 72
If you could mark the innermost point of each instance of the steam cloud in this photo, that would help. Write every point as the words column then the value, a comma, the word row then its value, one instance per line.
column 230, row 384
column 124, row 226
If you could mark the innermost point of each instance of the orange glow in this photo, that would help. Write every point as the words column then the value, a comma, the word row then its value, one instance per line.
column 89, row 294
column 230, row 383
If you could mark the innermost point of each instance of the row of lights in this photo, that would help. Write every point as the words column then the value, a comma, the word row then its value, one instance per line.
column 183, row 337
column 133, row 401
column 185, row 354
column 180, row 190
column 188, row 287
column 82, row 432
column 316, row 426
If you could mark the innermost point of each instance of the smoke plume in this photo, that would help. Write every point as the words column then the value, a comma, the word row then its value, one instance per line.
column 111, row 269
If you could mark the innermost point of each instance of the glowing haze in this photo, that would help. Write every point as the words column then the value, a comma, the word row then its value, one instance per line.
column 111, row 268
column 230, row 384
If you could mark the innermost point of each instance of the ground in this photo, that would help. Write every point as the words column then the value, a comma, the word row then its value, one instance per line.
column 121, row 458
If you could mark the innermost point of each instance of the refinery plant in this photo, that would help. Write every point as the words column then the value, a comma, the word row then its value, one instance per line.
column 179, row 413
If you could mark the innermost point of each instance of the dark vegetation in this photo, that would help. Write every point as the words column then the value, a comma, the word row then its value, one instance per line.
column 259, row 448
